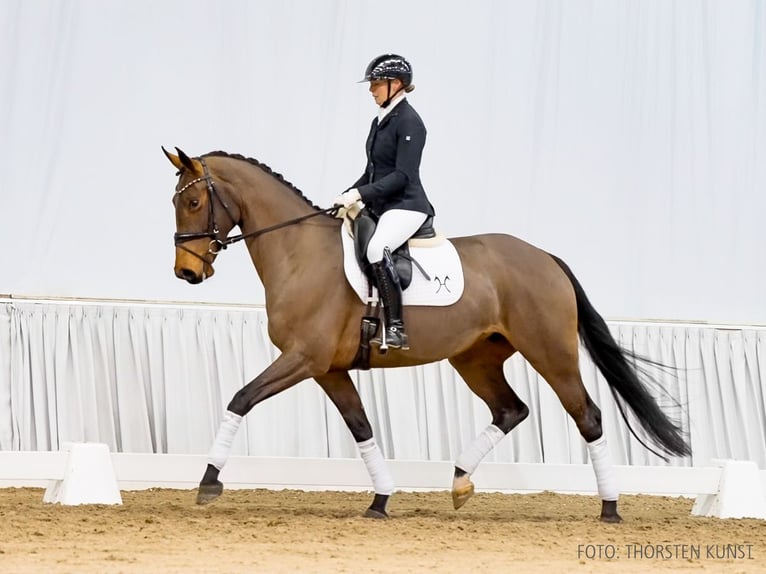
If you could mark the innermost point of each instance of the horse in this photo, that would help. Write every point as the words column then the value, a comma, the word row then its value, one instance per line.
column 517, row 298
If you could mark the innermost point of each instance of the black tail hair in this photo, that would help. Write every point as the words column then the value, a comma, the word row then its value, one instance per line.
column 623, row 379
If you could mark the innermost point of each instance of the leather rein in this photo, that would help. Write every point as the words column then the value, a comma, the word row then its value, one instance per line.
column 217, row 245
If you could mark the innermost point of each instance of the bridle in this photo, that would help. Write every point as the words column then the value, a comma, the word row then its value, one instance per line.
column 212, row 226
column 217, row 245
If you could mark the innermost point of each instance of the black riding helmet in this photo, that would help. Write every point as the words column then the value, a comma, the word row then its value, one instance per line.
column 389, row 67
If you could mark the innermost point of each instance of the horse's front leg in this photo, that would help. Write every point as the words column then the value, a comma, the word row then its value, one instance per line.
column 288, row 370
column 343, row 394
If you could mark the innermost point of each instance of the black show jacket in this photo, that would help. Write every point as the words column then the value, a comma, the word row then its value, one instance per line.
column 392, row 177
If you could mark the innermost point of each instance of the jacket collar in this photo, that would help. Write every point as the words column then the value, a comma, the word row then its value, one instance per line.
column 392, row 110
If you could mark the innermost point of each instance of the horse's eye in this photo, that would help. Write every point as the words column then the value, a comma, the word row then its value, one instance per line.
column 194, row 203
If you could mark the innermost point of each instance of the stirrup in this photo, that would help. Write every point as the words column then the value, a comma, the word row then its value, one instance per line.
column 392, row 338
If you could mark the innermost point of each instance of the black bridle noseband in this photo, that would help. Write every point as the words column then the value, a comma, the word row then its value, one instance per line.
column 216, row 244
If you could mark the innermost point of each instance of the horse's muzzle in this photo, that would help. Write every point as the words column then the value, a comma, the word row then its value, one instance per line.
column 190, row 276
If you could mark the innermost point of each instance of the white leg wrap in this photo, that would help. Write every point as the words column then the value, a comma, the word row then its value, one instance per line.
column 481, row 445
column 219, row 452
column 602, row 466
column 382, row 481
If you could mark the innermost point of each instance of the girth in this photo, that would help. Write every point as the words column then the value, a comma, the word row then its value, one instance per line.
column 364, row 227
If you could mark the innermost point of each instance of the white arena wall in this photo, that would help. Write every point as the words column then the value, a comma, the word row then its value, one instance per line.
column 156, row 378
column 627, row 138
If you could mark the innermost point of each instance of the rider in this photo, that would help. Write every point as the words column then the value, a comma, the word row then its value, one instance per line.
column 390, row 186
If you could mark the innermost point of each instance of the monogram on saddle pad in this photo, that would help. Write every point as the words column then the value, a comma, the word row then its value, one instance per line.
column 435, row 280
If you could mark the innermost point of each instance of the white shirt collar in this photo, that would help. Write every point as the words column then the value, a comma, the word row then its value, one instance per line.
column 383, row 112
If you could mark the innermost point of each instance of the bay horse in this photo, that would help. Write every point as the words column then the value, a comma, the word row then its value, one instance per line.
column 516, row 298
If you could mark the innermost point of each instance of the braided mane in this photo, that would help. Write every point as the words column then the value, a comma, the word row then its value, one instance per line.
column 278, row 176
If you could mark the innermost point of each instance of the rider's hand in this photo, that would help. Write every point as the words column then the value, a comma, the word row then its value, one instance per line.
column 347, row 198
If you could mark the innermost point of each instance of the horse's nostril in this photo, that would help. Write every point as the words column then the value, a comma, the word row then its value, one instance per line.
column 189, row 276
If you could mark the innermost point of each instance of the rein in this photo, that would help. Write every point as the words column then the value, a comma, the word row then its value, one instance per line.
column 234, row 239
column 217, row 245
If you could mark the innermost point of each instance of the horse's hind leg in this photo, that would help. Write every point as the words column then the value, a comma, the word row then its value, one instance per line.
column 587, row 416
column 481, row 367
column 556, row 359
column 343, row 394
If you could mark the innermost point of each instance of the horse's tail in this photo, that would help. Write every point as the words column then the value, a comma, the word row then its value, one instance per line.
column 623, row 379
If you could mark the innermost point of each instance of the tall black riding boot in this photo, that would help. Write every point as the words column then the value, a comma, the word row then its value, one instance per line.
column 391, row 295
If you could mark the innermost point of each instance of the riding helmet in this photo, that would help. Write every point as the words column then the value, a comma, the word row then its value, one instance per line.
column 389, row 67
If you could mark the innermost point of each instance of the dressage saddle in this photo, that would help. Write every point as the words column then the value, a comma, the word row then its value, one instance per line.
column 364, row 226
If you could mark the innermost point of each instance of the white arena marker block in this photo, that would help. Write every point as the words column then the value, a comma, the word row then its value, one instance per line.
column 88, row 477
column 740, row 493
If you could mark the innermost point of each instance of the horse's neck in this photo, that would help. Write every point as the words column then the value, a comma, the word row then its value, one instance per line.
column 281, row 254
column 267, row 201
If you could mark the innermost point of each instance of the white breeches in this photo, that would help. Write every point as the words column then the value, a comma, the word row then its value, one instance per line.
column 394, row 228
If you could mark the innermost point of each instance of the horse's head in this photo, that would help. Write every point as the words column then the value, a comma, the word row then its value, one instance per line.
column 203, row 217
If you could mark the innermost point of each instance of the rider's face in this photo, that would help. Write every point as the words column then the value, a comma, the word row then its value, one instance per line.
column 379, row 89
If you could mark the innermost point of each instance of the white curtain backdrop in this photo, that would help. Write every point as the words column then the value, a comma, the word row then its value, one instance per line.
column 157, row 379
column 627, row 137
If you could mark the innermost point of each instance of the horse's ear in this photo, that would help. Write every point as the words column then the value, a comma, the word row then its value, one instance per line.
column 183, row 161
column 193, row 165
column 174, row 159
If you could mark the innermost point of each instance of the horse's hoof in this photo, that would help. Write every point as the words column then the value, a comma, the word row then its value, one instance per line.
column 611, row 518
column 609, row 512
column 461, row 492
column 207, row 493
column 372, row 513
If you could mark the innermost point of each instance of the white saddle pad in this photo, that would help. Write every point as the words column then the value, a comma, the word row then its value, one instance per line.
column 441, row 262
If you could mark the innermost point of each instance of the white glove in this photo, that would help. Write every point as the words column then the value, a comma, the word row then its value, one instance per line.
column 347, row 198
